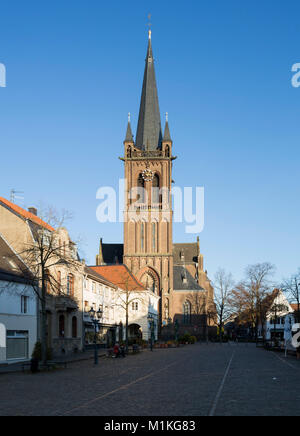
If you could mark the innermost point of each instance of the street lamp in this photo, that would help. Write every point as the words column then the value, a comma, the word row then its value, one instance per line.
column 176, row 328
column 95, row 318
column 151, row 322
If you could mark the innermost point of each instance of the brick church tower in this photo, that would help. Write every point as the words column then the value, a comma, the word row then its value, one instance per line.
column 173, row 271
column 148, row 240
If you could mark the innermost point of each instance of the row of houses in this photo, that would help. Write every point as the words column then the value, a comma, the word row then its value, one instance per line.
column 35, row 257
column 279, row 323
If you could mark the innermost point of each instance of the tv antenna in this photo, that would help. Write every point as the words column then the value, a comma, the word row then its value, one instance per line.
column 14, row 196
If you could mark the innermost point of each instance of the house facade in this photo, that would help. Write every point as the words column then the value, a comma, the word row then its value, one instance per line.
column 277, row 318
column 24, row 231
column 99, row 293
column 18, row 309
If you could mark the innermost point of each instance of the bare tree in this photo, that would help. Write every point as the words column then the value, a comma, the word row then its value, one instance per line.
column 202, row 311
column 242, row 302
column 40, row 255
column 258, row 285
column 291, row 287
column 223, row 284
column 124, row 298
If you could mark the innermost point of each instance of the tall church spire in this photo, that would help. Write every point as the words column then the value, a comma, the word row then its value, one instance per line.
column 167, row 136
column 129, row 136
column 149, row 124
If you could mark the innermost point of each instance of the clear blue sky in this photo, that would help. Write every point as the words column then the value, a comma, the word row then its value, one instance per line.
column 74, row 71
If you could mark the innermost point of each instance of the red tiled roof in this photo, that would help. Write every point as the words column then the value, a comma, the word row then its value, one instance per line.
column 25, row 214
column 120, row 276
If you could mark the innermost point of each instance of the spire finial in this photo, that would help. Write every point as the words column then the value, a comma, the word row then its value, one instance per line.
column 149, row 24
column 167, row 117
column 129, row 116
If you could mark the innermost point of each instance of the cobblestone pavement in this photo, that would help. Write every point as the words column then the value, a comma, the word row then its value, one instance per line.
column 200, row 380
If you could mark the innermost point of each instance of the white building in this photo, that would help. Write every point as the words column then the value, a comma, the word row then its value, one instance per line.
column 277, row 317
column 18, row 309
column 130, row 295
column 99, row 293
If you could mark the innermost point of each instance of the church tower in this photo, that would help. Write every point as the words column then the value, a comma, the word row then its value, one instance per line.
column 148, row 212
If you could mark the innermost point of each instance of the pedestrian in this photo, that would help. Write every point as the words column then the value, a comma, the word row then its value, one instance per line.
column 117, row 350
column 122, row 350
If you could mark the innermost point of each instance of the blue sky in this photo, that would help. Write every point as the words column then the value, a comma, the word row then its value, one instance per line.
column 74, row 71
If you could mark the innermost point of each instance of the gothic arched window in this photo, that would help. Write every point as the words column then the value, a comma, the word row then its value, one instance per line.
column 187, row 312
column 142, row 236
column 155, row 190
column 154, row 237
column 141, row 190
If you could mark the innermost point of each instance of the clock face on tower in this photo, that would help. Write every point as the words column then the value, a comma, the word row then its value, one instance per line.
column 147, row 175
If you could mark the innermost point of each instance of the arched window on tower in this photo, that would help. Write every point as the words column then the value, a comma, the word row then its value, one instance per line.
column 167, row 151
column 156, row 198
column 142, row 237
column 141, row 189
column 154, row 237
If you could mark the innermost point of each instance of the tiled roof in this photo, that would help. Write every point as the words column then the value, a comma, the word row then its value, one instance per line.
column 120, row 276
column 189, row 251
column 269, row 299
column 25, row 214
column 183, row 280
column 95, row 275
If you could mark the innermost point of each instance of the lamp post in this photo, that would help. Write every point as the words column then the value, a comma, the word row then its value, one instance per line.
column 95, row 317
column 151, row 323
column 176, row 328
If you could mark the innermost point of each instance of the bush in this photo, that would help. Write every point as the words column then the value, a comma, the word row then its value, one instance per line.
column 37, row 352
column 187, row 338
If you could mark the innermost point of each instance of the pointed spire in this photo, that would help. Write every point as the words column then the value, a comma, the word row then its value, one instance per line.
column 167, row 136
column 99, row 257
column 129, row 136
column 149, row 124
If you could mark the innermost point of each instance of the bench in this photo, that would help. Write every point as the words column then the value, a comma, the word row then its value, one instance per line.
column 25, row 365
column 49, row 365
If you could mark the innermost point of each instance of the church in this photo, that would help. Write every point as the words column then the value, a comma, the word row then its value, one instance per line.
column 173, row 271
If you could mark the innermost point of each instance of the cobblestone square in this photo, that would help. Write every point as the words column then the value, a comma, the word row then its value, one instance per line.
column 195, row 380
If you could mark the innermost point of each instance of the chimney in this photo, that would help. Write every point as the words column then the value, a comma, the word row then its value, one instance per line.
column 32, row 210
